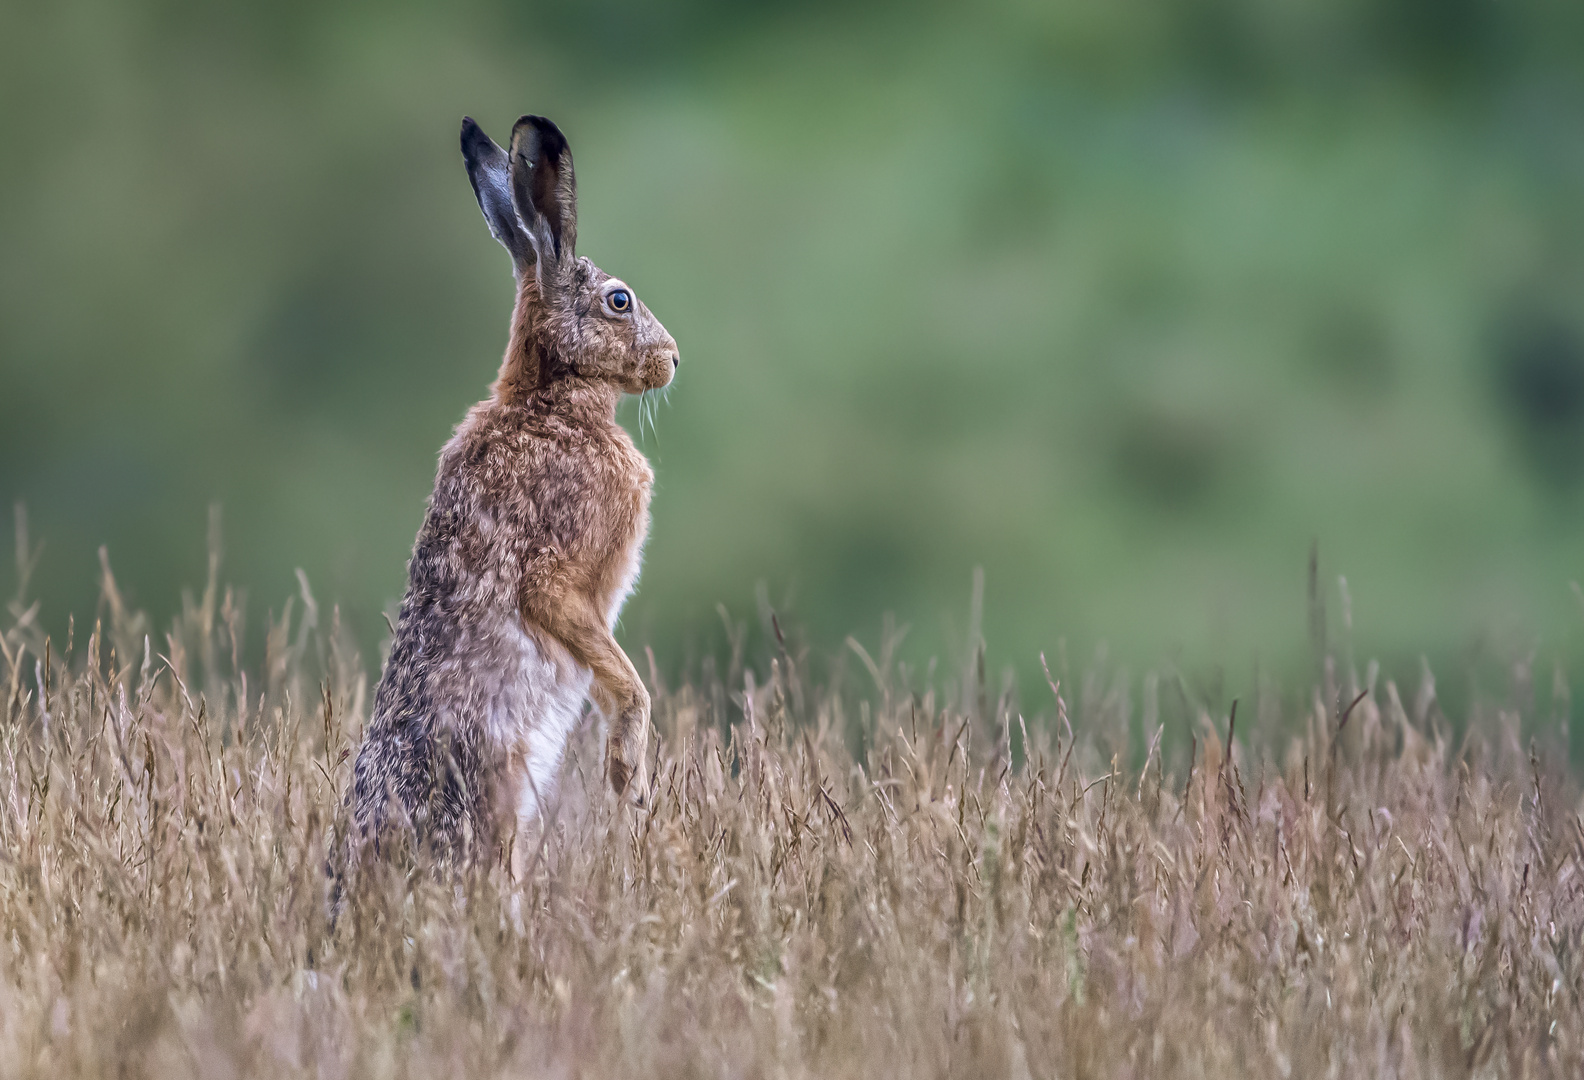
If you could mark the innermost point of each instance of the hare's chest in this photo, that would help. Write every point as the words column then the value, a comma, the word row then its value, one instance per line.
column 627, row 553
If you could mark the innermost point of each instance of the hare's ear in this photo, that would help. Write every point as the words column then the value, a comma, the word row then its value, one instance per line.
column 544, row 189
column 490, row 171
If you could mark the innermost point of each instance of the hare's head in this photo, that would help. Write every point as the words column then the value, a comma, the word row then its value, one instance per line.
column 572, row 318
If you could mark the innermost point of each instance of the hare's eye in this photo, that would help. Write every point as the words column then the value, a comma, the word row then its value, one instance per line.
column 620, row 301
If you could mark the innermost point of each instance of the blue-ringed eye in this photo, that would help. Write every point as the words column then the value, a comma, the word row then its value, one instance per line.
column 620, row 301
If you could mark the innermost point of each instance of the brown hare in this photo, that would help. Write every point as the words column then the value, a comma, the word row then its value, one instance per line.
column 530, row 545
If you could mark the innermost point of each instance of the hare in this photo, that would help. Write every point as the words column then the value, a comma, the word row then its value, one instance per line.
column 531, row 542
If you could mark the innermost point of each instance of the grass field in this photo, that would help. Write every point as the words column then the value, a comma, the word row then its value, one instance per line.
column 859, row 875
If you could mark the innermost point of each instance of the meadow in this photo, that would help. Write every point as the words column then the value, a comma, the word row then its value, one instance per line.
column 1132, row 305
column 849, row 867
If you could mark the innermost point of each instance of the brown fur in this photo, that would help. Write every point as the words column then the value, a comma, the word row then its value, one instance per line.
column 530, row 546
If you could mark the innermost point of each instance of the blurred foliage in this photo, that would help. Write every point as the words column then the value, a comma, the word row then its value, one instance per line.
column 1128, row 303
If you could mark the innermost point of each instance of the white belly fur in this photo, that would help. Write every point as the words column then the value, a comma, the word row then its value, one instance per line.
column 536, row 702
column 537, row 699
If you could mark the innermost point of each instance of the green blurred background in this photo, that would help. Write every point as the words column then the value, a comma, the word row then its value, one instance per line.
column 1128, row 303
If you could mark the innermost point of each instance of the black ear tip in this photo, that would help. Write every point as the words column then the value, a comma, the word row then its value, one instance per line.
column 478, row 147
column 551, row 142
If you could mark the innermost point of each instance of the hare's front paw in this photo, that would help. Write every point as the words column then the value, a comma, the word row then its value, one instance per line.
column 624, row 756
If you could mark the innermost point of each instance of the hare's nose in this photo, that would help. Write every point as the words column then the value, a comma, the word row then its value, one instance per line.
column 676, row 360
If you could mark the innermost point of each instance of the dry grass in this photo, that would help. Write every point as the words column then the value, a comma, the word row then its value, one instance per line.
column 902, row 887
